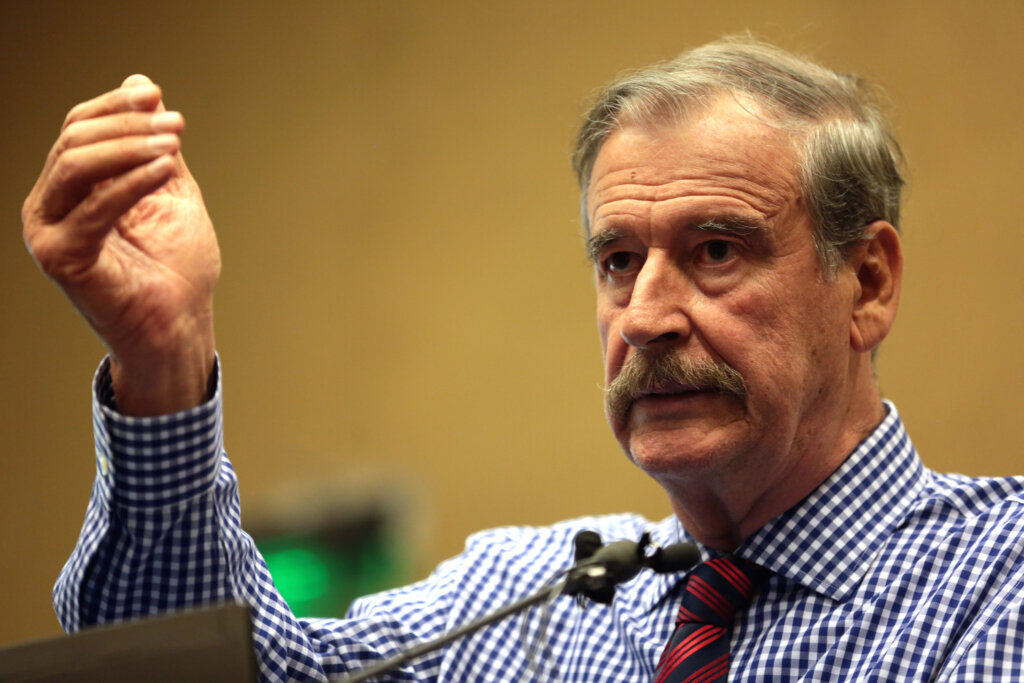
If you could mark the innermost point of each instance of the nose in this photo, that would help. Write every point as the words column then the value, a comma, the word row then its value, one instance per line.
column 656, row 312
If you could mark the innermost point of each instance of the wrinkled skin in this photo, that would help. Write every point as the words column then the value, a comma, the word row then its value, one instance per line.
column 117, row 221
column 703, row 248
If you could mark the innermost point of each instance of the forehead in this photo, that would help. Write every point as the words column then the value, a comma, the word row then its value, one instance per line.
column 723, row 159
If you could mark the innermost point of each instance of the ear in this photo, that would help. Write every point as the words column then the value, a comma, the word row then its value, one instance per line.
column 877, row 263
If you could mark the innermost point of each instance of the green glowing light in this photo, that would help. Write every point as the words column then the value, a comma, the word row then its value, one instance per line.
column 300, row 574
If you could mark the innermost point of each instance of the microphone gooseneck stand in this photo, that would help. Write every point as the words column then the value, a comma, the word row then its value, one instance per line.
column 598, row 569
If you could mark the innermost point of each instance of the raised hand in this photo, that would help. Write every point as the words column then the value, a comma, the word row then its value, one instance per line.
column 118, row 222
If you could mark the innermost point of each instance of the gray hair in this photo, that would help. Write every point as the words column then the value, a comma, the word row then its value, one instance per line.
column 849, row 161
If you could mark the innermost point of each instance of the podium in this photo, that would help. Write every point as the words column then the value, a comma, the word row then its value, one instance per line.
column 209, row 644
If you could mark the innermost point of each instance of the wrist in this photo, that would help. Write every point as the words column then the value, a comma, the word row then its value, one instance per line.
column 163, row 383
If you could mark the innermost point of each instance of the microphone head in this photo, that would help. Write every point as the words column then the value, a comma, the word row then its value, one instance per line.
column 599, row 568
column 586, row 543
column 674, row 558
column 602, row 567
column 621, row 559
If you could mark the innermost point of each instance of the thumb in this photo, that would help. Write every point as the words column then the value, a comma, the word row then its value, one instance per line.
column 136, row 80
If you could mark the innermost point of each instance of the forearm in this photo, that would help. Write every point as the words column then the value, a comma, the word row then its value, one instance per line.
column 162, row 533
column 168, row 380
column 133, row 524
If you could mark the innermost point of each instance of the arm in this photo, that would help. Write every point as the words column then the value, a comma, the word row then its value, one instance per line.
column 117, row 221
column 989, row 636
column 147, row 548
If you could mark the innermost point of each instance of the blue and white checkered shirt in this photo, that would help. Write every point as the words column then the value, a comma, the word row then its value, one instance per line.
column 887, row 572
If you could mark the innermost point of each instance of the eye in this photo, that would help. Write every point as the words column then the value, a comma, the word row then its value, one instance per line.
column 717, row 251
column 620, row 263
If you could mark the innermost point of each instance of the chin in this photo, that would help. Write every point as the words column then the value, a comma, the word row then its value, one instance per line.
column 669, row 455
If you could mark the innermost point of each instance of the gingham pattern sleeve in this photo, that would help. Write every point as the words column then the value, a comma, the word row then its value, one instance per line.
column 162, row 533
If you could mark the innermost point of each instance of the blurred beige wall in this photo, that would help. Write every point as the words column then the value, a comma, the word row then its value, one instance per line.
column 404, row 289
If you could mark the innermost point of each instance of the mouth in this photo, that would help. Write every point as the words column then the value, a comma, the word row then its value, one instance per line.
column 671, row 390
column 670, row 404
column 667, row 399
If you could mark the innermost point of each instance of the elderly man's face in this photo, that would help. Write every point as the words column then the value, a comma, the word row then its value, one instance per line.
column 703, row 251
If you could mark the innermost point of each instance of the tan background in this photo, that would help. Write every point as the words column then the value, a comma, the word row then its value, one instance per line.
column 404, row 288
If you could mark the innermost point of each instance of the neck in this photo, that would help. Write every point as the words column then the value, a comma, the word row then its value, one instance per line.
column 722, row 509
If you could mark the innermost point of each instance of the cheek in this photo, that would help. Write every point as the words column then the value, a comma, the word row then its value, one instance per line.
column 759, row 336
column 605, row 322
column 603, row 325
column 612, row 346
column 756, row 316
column 794, row 339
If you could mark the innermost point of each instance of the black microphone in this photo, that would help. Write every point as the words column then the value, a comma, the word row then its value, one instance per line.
column 600, row 568
column 586, row 543
column 674, row 558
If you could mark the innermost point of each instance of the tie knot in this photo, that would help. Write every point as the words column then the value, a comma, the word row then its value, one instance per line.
column 719, row 588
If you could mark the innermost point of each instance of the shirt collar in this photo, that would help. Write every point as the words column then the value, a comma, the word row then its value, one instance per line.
column 828, row 541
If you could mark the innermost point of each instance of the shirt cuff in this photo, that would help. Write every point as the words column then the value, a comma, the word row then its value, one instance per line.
column 156, row 461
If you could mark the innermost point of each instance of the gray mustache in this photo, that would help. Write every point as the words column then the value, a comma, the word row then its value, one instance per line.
column 644, row 372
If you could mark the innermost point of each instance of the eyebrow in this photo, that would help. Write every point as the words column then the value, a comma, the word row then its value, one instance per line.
column 596, row 243
column 730, row 225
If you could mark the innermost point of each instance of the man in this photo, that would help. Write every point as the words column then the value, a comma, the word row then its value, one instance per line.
column 741, row 209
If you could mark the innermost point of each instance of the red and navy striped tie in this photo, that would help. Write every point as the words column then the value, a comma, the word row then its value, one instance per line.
column 699, row 649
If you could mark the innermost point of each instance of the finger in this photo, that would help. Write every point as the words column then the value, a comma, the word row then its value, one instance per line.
column 94, row 216
column 88, row 131
column 136, row 80
column 76, row 171
column 76, row 241
column 142, row 97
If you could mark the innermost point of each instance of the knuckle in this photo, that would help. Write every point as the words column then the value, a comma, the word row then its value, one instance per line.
column 42, row 249
column 67, row 139
column 134, row 123
column 75, row 114
column 66, row 169
column 27, row 211
column 90, row 209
